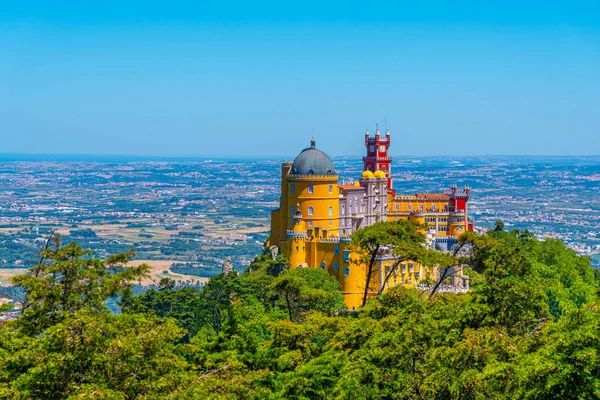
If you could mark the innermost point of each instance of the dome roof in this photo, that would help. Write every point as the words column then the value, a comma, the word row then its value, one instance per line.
column 368, row 175
column 313, row 162
column 379, row 174
column 357, row 184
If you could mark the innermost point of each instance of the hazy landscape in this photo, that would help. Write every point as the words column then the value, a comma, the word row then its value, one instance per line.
column 186, row 216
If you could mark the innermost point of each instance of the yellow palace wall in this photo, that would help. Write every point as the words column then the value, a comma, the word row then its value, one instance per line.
column 324, row 201
column 350, row 270
column 318, row 250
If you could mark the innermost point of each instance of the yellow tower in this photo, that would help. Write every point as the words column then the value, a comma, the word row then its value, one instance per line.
column 296, row 239
column 313, row 185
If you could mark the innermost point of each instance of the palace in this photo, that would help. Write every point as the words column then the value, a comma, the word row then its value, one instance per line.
column 317, row 216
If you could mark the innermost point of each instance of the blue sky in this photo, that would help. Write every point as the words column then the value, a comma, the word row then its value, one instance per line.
column 255, row 78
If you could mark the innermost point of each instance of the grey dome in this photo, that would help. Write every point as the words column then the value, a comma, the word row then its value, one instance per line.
column 313, row 162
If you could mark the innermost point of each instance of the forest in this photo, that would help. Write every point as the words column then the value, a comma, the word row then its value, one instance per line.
column 528, row 329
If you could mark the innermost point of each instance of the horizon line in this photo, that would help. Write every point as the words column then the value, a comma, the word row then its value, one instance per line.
column 149, row 156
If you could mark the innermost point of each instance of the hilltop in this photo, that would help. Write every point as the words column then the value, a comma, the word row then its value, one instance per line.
column 527, row 329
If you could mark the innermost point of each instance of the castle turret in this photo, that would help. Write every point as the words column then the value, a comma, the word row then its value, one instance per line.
column 296, row 238
column 377, row 155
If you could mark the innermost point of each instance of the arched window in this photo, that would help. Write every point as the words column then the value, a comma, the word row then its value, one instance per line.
column 347, row 271
column 410, row 207
column 346, row 256
column 330, row 188
column 311, row 210
column 336, row 250
column 433, row 207
column 335, row 266
column 330, row 210
column 291, row 210
column 311, row 189
column 293, row 189
column 323, row 265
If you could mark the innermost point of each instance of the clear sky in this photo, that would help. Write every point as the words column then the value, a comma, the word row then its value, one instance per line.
column 255, row 78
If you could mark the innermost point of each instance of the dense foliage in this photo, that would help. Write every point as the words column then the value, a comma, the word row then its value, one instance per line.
column 528, row 329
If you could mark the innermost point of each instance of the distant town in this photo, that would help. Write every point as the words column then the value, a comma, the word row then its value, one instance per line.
column 186, row 217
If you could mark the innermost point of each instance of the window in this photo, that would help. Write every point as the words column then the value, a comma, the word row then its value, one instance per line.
column 410, row 207
column 397, row 206
column 346, row 256
column 309, row 223
column 323, row 265
column 330, row 189
column 335, row 266
column 330, row 222
column 311, row 210
column 311, row 189
column 297, row 249
column 291, row 210
column 330, row 210
column 347, row 271
column 433, row 207
column 343, row 209
column 293, row 189
column 421, row 208
column 336, row 250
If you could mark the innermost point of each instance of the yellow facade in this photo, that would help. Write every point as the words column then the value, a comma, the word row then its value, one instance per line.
column 306, row 227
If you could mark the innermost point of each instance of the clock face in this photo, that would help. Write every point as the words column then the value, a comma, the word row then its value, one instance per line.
column 382, row 148
column 372, row 148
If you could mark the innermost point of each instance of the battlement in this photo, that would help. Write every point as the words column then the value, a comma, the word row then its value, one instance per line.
column 296, row 235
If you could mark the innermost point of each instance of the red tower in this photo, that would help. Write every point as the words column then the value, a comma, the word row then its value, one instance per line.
column 459, row 199
column 377, row 155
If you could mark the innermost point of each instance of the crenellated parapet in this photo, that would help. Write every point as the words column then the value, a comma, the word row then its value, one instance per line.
column 296, row 235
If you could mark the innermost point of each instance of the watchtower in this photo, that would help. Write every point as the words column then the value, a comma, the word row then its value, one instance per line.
column 377, row 155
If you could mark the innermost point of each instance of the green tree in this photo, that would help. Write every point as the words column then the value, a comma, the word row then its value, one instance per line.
column 306, row 289
column 499, row 225
column 265, row 262
column 402, row 238
column 94, row 355
column 167, row 284
column 68, row 279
